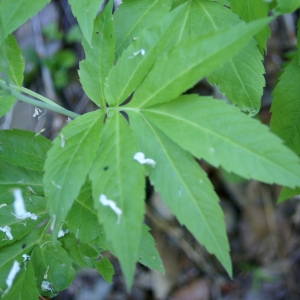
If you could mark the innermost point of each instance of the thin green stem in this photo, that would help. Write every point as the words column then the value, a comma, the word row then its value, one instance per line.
column 47, row 104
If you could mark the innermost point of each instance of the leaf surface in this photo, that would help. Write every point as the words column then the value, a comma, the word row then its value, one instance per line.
column 12, row 66
column 148, row 255
column 184, row 188
column 286, row 6
column 139, row 14
column 250, row 10
column 241, row 77
column 116, row 176
column 105, row 268
column 192, row 59
column 133, row 66
column 99, row 57
column 69, row 161
column 23, row 148
column 82, row 218
column 285, row 120
column 85, row 12
column 53, row 265
column 15, row 13
column 220, row 134
column 287, row 193
column 24, row 286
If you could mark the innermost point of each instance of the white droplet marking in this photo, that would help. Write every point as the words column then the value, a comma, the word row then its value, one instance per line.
column 56, row 185
column 37, row 112
column 46, row 273
column 62, row 140
column 62, row 233
column 112, row 204
column 140, row 157
column 141, row 51
column 30, row 189
column 19, row 207
column 26, row 258
column 3, row 205
column 11, row 276
column 47, row 286
column 6, row 229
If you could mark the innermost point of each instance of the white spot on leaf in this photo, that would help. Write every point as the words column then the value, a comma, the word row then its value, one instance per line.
column 141, row 51
column 11, row 276
column 140, row 157
column 46, row 286
column 37, row 112
column 6, row 229
column 19, row 207
column 30, row 189
column 26, row 258
column 56, row 185
column 62, row 140
column 3, row 205
column 112, row 204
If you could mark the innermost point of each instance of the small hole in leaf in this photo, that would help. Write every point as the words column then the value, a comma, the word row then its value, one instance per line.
column 23, row 246
column 105, row 168
column 97, row 32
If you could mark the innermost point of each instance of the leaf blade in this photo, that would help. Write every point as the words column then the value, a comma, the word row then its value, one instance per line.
column 185, row 181
column 228, row 138
column 99, row 57
column 69, row 161
column 178, row 71
column 109, row 176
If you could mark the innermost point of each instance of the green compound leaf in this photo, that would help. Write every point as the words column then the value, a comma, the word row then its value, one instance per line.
column 68, row 163
column 241, row 77
column 192, row 59
column 139, row 57
column 12, row 176
column 24, row 285
column 184, row 188
column 99, row 57
column 82, row 218
column 12, row 66
column 139, row 14
column 105, row 269
column 14, row 13
column 287, row 193
column 85, row 12
column 52, row 266
column 148, row 255
column 286, row 6
column 225, row 137
column 118, row 191
column 23, row 148
column 84, row 255
column 285, row 120
column 250, row 10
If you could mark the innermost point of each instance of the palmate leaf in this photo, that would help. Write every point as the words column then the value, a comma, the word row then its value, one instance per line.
column 223, row 136
column 133, row 65
column 85, row 12
column 14, row 13
column 241, row 77
column 285, row 120
column 117, row 177
column 192, row 59
column 82, row 218
column 68, row 163
column 250, row 10
column 23, row 148
column 148, row 255
column 99, row 56
column 184, row 188
column 286, row 6
column 139, row 14
column 12, row 65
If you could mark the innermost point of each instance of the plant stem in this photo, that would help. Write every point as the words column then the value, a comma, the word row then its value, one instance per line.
column 47, row 104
